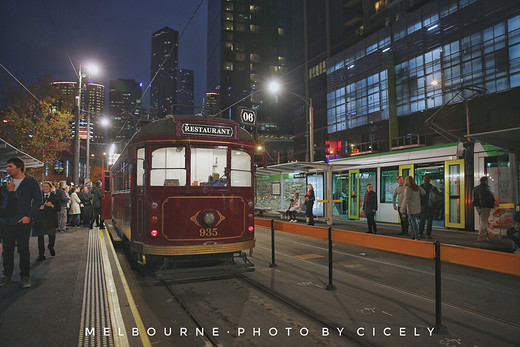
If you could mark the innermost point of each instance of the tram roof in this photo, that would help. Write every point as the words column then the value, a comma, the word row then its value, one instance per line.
column 8, row 151
column 167, row 126
column 300, row 167
column 505, row 138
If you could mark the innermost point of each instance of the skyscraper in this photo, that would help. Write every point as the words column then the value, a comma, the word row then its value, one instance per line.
column 124, row 104
column 185, row 92
column 248, row 44
column 164, row 72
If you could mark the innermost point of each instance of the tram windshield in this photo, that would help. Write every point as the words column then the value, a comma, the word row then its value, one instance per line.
column 209, row 167
column 168, row 167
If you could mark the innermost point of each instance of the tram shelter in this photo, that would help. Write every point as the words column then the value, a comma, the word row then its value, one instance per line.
column 276, row 184
column 9, row 151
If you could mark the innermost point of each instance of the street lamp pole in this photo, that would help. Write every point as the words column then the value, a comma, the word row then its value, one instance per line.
column 77, row 147
column 87, row 175
column 311, row 124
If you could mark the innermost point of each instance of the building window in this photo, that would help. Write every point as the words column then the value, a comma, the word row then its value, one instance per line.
column 228, row 16
column 240, row 57
column 228, row 26
column 254, row 28
column 254, row 58
column 228, row 65
column 229, row 46
column 240, row 27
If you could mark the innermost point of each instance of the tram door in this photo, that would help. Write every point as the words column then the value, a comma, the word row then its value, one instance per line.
column 454, row 194
column 353, row 194
column 106, row 196
column 406, row 170
column 339, row 192
column 139, row 193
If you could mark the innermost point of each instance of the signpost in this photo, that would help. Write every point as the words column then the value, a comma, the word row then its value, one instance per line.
column 247, row 116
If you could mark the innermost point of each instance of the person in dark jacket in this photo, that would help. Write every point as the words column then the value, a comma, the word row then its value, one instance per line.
column 86, row 200
column 427, row 209
column 309, row 204
column 62, row 212
column 96, row 206
column 370, row 208
column 18, row 227
column 47, row 221
column 484, row 201
column 8, row 200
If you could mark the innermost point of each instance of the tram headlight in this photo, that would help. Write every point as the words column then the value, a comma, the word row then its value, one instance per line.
column 250, row 203
column 154, row 205
column 209, row 218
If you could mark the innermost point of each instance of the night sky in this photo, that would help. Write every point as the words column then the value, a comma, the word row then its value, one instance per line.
column 38, row 36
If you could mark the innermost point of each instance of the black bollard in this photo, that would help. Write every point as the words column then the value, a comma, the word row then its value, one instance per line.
column 330, row 286
column 273, row 264
column 439, row 328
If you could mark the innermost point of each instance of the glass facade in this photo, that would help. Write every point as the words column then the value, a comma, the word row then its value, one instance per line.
column 428, row 45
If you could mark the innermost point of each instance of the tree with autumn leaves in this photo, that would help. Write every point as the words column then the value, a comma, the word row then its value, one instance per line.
column 37, row 124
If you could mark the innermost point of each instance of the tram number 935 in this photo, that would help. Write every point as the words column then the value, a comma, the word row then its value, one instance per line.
column 208, row 232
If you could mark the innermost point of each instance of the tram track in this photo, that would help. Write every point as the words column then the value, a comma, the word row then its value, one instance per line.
column 403, row 291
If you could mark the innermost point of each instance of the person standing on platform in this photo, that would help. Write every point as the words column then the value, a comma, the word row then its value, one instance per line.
column 18, row 227
column 370, row 208
column 8, row 204
column 427, row 207
column 47, row 221
column 484, row 202
column 399, row 194
column 96, row 206
column 309, row 204
column 412, row 204
column 62, row 213
column 86, row 200
column 75, row 209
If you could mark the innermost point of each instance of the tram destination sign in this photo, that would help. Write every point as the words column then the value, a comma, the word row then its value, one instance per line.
column 211, row 130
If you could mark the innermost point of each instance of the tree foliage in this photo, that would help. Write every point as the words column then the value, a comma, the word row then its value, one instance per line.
column 38, row 128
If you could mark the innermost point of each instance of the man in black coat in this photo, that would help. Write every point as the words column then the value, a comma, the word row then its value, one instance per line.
column 47, row 221
column 427, row 209
column 370, row 208
column 96, row 206
column 484, row 201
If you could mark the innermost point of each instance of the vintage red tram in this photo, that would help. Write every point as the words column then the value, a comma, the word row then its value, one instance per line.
column 183, row 189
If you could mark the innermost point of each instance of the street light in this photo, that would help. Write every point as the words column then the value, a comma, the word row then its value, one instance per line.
column 93, row 69
column 274, row 87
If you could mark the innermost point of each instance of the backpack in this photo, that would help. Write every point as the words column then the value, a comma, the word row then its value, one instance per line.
column 434, row 198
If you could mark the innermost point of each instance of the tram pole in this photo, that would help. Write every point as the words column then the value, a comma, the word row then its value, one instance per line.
column 330, row 286
column 439, row 328
column 273, row 264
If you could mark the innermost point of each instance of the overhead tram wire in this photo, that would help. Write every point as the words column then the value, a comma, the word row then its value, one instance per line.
column 17, row 80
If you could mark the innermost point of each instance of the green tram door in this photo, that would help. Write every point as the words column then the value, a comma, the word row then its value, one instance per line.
column 353, row 194
column 454, row 194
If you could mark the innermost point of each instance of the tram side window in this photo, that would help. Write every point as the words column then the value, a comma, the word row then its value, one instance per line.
column 140, row 166
column 208, row 166
column 240, row 169
column 168, row 167
column 388, row 184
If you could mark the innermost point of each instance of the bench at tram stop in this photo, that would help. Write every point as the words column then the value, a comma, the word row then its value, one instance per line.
column 261, row 210
column 283, row 214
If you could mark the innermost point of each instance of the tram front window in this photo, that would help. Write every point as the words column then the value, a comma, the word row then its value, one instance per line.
column 208, row 166
column 168, row 167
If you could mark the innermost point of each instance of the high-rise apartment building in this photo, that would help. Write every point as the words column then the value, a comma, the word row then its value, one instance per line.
column 185, row 92
column 163, row 95
column 248, row 44
column 124, row 105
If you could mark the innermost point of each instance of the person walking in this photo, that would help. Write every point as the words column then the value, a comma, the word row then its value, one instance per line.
column 309, row 204
column 427, row 207
column 18, row 227
column 399, row 194
column 62, row 213
column 370, row 208
column 47, row 221
column 484, row 202
column 96, row 206
column 412, row 204
column 75, row 209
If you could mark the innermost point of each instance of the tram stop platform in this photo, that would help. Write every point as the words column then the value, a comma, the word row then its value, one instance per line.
column 80, row 294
